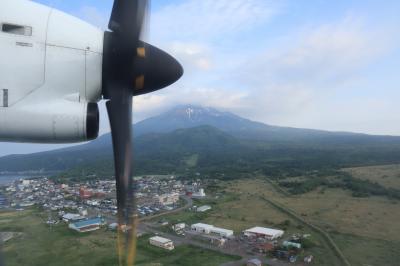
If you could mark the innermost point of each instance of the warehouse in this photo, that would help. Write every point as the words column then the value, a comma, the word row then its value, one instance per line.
column 68, row 217
column 86, row 226
column 221, row 232
column 162, row 242
column 210, row 229
column 202, row 228
column 267, row 233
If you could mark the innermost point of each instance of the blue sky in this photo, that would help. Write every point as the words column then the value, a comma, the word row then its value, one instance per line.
column 304, row 63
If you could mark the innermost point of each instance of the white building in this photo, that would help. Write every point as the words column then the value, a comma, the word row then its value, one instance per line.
column 26, row 182
column 162, row 242
column 168, row 199
column 203, row 208
column 179, row 227
column 221, row 232
column 93, row 203
column 210, row 229
column 72, row 217
column 199, row 194
column 267, row 233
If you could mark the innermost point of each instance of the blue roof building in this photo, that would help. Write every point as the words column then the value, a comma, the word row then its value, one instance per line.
column 86, row 225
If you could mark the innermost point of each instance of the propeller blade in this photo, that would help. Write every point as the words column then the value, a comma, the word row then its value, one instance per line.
column 119, row 109
column 130, row 67
column 127, row 17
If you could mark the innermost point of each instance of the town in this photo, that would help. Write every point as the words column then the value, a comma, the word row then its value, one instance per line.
column 91, row 205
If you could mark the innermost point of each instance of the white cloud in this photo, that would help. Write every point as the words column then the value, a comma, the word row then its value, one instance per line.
column 293, row 83
column 281, row 83
column 193, row 56
column 209, row 19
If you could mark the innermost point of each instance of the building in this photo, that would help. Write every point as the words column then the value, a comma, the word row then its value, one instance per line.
column 68, row 217
column 202, row 228
column 168, row 199
column 179, row 227
column 113, row 226
column 254, row 262
column 203, row 208
column 85, row 193
column 199, row 194
column 264, row 232
column 212, row 230
column 83, row 212
column 289, row 244
column 86, row 225
column 26, row 182
column 221, row 232
column 162, row 242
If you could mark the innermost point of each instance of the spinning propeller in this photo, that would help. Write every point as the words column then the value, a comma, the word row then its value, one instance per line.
column 131, row 67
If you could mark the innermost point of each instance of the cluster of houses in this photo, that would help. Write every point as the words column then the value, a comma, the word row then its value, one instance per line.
column 75, row 202
column 153, row 193
column 51, row 196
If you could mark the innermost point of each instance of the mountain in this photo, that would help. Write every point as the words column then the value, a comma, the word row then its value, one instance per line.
column 191, row 139
column 190, row 116
column 153, row 151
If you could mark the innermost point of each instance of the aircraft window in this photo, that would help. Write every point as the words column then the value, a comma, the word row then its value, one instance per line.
column 17, row 29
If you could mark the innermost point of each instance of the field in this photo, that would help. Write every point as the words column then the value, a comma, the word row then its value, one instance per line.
column 366, row 230
column 181, row 256
column 385, row 175
column 42, row 245
column 240, row 206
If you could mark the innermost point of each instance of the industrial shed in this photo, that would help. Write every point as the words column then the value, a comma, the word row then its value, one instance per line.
column 201, row 228
column 162, row 242
column 264, row 232
column 210, row 229
column 86, row 226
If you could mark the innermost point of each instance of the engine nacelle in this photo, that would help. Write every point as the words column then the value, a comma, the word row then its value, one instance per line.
column 55, row 122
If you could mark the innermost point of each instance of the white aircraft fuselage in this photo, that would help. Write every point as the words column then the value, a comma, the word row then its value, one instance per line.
column 50, row 74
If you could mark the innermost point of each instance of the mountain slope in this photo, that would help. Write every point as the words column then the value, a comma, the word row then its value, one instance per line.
column 193, row 139
column 190, row 116
column 174, row 146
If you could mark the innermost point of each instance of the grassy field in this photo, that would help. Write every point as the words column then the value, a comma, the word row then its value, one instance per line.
column 365, row 229
column 337, row 210
column 238, row 206
column 368, row 251
column 40, row 245
column 385, row 175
